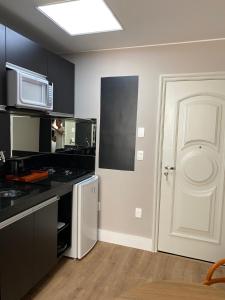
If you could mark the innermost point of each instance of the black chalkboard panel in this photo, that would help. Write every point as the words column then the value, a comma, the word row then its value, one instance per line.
column 119, row 97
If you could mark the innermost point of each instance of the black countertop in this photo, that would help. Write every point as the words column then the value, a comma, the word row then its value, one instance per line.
column 33, row 194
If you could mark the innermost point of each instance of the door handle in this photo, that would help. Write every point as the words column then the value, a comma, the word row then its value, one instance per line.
column 166, row 174
column 167, row 171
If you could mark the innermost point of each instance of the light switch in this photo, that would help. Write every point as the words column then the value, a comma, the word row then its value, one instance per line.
column 140, row 155
column 141, row 132
column 138, row 212
column 73, row 129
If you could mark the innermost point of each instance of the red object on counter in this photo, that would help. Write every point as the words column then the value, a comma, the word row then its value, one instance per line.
column 33, row 177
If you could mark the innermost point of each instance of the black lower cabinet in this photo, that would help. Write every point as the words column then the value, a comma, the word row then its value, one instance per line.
column 16, row 257
column 28, row 251
column 45, row 240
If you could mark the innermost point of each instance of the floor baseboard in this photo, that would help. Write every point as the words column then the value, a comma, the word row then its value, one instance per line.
column 122, row 239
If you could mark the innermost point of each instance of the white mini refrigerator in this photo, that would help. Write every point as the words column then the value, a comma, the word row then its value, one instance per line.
column 84, row 217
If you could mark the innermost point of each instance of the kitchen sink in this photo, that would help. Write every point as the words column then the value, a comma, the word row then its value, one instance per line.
column 11, row 193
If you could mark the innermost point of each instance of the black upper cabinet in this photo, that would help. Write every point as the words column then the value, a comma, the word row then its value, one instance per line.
column 21, row 51
column 61, row 73
column 2, row 65
column 25, row 53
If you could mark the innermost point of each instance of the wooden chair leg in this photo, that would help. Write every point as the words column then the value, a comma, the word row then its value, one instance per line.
column 209, row 280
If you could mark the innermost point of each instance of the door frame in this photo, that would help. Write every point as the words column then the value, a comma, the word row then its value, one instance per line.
column 163, row 80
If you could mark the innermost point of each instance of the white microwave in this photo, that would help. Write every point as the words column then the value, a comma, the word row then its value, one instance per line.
column 27, row 89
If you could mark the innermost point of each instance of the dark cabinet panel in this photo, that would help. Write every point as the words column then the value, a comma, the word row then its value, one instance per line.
column 16, row 257
column 61, row 73
column 5, row 133
column 119, row 97
column 28, row 251
column 25, row 53
column 45, row 135
column 45, row 240
column 2, row 65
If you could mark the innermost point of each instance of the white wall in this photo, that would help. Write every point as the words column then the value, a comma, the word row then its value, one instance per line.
column 120, row 191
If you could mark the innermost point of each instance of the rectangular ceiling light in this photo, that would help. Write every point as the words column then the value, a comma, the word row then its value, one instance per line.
column 82, row 16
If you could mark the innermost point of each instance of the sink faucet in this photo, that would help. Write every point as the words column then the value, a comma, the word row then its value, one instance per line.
column 2, row 156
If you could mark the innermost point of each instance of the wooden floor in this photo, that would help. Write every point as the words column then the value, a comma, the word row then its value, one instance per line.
column 110, row 270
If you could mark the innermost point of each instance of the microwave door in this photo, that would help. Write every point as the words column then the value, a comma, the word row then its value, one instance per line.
column 33, row 92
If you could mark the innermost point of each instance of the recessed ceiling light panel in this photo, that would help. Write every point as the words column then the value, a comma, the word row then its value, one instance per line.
column 82, row 16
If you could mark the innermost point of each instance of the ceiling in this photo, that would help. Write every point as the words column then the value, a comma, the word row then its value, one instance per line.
column 145, row 22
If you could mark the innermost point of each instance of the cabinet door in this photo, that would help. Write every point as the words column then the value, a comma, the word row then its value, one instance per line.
column 25, row 53
column 16, row 248
column 2, row 65
column 45, row 240
column 5, row 144
column 61, row 73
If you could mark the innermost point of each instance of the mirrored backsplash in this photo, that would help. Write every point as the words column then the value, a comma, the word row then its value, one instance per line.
column 44, row 135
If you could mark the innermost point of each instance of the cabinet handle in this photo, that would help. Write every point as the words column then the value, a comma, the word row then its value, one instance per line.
column 28, row 212
column 45, row 203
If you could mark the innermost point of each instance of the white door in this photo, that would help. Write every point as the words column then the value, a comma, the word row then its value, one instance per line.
column 192, row 208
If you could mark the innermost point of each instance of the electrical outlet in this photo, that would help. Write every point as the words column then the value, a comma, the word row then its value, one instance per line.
column 138, row 212
column 141, row 132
